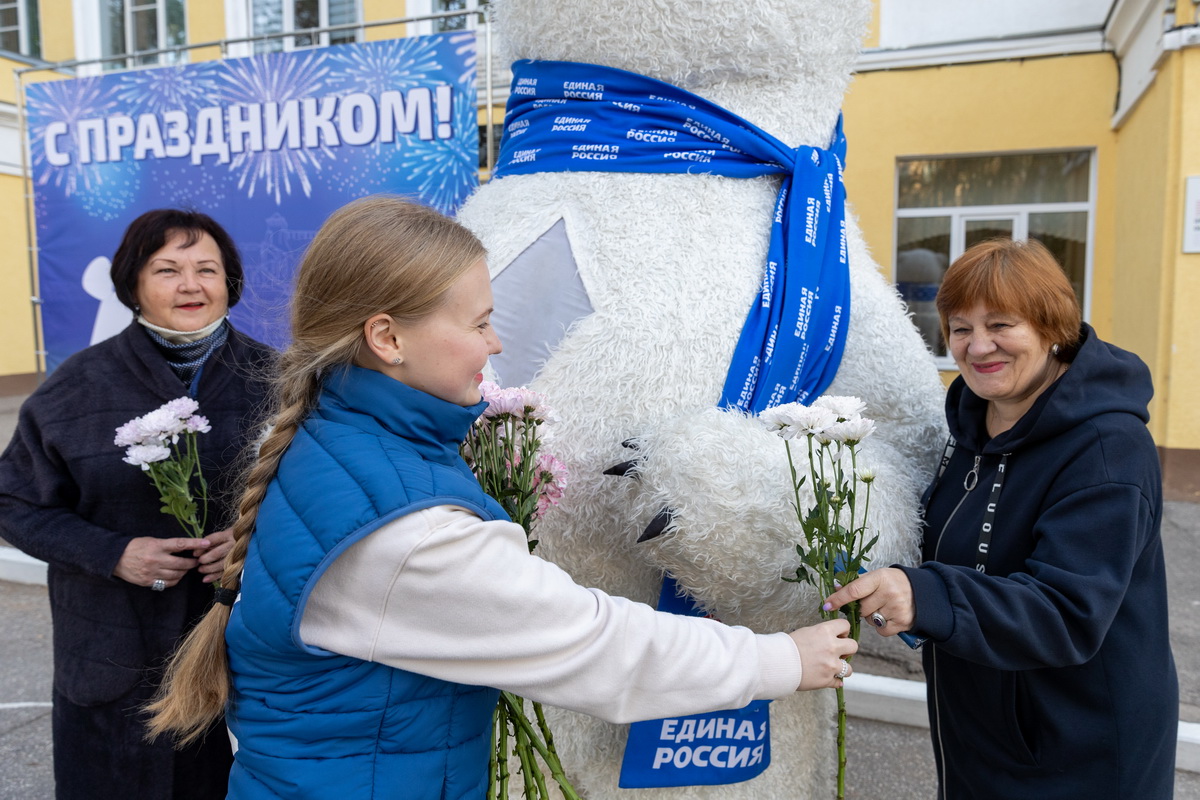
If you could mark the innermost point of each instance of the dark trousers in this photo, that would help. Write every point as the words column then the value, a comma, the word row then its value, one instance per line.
column 100, row 752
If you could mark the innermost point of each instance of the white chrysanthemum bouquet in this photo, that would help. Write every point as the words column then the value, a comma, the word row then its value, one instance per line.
column 836, row 540
column 504, row 451
column 163, row 444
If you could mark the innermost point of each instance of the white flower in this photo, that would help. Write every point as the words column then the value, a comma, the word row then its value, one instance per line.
column 866, row 474
column 792, row 420
column 846, row 407
column 783, row 419
column 181, row 407
column 129, row 433
column 142, row 455
column 161, row 424
column 851, row 431
column 197, row 424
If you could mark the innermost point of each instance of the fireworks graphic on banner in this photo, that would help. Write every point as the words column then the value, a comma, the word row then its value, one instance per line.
column 65, row 103
column 163, row 89
column 276, row 78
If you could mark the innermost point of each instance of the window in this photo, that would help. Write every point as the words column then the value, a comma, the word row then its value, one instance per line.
column 945, row 205
column 19, row 29
column 136, row 26
column 464, row 22
column 283, row 16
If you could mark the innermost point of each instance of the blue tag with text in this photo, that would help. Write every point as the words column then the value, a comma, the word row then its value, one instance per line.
column 701, row 749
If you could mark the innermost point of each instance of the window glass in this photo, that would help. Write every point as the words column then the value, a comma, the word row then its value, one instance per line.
column 923, row 254
column 112, row 31
column 946, row 205
column 176, row 24
column 139, row 26
column 19, row 27
column 457, row 23
column 994, row 180
column 980, row 230
column 1065, row 235
column 275, row 16
column 307, row 15
column 342, row 12
column 33, row 29
column 145, row 29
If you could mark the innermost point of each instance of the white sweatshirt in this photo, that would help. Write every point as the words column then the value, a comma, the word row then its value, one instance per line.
column 443, row 593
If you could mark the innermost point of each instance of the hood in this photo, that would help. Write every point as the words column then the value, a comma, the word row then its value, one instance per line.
column 1103, row 379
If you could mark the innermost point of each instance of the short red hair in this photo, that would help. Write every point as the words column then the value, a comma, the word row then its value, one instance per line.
column 1011, row 277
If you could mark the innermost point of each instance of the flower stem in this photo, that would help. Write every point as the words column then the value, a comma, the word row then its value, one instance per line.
column 841, row 743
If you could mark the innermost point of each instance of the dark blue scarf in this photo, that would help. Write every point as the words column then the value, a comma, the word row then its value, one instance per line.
column 565, row 116
column 186, row 359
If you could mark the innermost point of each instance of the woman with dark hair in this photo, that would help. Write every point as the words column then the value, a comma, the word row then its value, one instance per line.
column 1043, row 590
column 124, row 583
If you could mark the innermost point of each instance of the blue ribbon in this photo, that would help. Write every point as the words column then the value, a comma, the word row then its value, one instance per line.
column 566, row 116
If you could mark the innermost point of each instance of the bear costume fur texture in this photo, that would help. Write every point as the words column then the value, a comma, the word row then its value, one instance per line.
column 670, row 265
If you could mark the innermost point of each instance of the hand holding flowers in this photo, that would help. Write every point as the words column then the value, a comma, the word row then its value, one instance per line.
column 835, row 529
column 504, row 451
column 163, row 444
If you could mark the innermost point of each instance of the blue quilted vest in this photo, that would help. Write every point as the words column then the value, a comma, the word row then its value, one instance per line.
column 315, row 724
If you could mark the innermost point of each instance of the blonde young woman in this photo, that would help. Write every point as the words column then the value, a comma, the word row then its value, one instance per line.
column 382, row 592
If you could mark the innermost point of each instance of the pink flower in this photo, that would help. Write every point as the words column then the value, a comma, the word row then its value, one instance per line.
column 550, row 481
column 516, row 401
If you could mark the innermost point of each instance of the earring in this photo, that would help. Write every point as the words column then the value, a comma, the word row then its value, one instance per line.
column 1053, row 349
column 396, row 362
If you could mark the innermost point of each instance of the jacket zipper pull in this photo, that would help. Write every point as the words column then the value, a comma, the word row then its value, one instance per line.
column 972, row 478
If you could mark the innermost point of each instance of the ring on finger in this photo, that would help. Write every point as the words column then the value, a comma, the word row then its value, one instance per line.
column 845, row 669
column 878, row 620
column 158, row 586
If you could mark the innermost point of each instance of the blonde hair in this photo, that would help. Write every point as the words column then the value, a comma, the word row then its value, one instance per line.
column 375, row 251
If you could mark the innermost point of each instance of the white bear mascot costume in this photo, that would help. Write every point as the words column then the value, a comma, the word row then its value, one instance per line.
column 621, row 296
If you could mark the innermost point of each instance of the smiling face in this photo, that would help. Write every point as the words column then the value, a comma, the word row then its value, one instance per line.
column 1003, row 359
column 444, row 353
column 183, row 288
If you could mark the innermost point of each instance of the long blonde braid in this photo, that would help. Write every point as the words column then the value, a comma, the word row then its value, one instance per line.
column 377, row 247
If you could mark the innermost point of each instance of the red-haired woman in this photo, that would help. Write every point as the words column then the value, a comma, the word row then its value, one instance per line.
column 1043, row 591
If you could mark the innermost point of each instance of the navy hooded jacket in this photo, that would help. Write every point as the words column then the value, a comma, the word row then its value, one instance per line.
column 1050, row 675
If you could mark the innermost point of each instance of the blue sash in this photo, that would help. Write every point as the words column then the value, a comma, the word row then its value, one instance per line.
column 564, row 116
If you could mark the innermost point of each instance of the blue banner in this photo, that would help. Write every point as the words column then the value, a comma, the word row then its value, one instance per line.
column 268, row 145
column 700, row 749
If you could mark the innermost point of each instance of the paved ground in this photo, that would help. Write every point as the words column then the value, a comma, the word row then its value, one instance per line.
column 888, row 762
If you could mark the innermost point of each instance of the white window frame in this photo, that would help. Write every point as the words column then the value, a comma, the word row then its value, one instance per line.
column 1019, row 212
column 289, row 24
column 89, row 17
column 160, row 23
column 24, row 46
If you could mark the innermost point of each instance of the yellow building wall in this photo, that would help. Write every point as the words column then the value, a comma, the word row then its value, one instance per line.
column 379, row 10
column 57, row 30
column 1139, row 229
column 1038, row 104
column 1182, row 333
column 16, row 311
column 205, row 23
